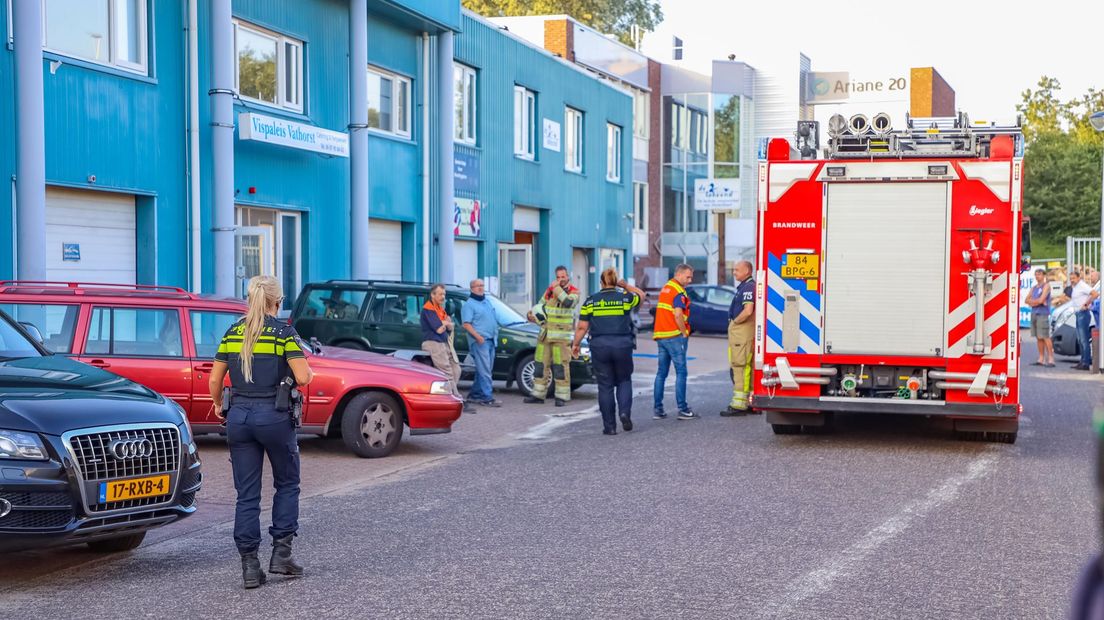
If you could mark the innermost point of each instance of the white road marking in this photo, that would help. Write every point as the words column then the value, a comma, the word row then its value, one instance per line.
column 821, row 580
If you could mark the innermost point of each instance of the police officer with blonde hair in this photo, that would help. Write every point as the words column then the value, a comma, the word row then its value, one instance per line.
column 262, row 355
column 607, row 315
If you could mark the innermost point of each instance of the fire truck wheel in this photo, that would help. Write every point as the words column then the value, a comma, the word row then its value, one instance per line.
column 786, row 429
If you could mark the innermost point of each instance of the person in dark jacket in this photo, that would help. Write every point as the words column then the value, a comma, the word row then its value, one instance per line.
column 607, row 315
column 437, row 334
column 260, row 352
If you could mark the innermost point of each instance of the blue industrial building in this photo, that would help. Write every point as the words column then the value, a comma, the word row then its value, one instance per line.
column 198, row 143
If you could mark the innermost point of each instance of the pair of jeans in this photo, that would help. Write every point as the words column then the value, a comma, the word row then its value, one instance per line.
column 254, row 429
column 1084, row 336
column 671, row 350
column 483, row 355
column 613, row 368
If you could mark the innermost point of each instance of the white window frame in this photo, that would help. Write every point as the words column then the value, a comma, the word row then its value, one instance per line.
column 525, row 120
column 641, row 120
column 141, row 68
column 469, row 100
column 640, row 207
column 573, row 139
column 281, row 63
column 404, row 83
column 613, row 153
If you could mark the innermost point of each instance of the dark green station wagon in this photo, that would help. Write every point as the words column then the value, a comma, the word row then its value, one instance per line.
column 383, row 317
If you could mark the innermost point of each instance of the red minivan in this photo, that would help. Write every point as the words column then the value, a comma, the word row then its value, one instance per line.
column 165, row 338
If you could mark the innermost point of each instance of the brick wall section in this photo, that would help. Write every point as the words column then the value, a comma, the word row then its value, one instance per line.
column 655, row 174
column 943, row 96
column 930, row 94
column 559, row 38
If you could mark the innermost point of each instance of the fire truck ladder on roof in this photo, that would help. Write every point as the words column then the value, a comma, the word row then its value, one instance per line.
column 922, row 137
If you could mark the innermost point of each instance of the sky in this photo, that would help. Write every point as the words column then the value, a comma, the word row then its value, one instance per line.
column 989, row 51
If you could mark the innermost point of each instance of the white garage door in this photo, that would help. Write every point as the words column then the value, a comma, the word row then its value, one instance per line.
column 90, row 237
column 886, row 268
column 385, row 250
column 466, row 264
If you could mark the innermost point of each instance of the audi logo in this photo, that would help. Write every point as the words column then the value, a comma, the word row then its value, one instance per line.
column 5, row 507
column 123, row 449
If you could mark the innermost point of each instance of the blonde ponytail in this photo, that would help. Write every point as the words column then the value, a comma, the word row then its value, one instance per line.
column 264, row 292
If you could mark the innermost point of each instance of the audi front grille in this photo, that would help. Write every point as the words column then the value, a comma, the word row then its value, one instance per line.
column 130, row 452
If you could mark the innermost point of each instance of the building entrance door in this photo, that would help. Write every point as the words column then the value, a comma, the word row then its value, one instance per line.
column 515, row 267
column 254, row 255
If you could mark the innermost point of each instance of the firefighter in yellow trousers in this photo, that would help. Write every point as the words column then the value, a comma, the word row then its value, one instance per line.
column 556, row 315
column 741, row 339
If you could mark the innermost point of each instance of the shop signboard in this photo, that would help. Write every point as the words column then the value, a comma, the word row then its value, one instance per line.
column 466, row 217
column 717, row 194
column 261, row 128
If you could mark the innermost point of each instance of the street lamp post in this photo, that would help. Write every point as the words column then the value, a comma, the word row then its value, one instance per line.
column 1097, row 122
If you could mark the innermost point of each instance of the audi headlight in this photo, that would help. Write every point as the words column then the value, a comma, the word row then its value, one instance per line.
column 17, row 445
column 439, row 387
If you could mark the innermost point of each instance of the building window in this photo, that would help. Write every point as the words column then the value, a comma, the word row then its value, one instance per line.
column 389, row 102
column 613, row 153
column 107, row 32
column 676, row 48
column 640, row 113
column 525, row 114
column 269, row 67
column 463, row 80
column 573, row 145
column 640, row 207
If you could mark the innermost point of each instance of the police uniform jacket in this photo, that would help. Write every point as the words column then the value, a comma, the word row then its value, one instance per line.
column 277, row 344
column 609, row 313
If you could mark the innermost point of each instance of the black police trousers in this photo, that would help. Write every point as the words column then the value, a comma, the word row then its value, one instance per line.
column 255, row 428
column 613, row 368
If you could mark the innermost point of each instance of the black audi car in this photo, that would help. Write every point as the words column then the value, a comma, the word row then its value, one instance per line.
column 86, row 456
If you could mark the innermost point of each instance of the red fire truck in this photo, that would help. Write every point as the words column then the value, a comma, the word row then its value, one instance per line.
column 888, row 275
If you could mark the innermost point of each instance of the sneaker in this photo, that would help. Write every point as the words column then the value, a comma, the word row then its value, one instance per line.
column 659, row 415
column 731, row 412
column 469, row 409
column 533, row 400
column 609, row 431
column 688, row 415
column 491, row 403
column 626, row 423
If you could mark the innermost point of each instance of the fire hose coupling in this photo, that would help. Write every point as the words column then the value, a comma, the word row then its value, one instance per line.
column 980, row 257
column 849, row 383
column 990, row 388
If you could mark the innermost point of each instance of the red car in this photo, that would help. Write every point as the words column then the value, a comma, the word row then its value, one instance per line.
column 165, row 338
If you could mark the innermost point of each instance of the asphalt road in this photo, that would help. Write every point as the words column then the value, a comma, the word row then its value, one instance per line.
column 717, row 518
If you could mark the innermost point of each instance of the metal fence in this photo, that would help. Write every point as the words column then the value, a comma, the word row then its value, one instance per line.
column 1082, row 252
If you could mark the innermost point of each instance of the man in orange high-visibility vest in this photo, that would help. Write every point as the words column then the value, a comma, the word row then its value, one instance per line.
column 672, row 333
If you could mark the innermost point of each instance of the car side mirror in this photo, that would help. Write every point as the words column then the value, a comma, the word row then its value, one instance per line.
column 33, row 331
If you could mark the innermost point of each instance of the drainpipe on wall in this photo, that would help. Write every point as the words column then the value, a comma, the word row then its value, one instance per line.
column 426, row 226
column 358, row 139
column 193, row 146
column 30, row 137
column 445, row 128
column 222, row 145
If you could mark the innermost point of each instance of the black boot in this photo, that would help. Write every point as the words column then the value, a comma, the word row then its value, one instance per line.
column 282, row 563
column 561, row 402
column 252, row 575
column 533, row 400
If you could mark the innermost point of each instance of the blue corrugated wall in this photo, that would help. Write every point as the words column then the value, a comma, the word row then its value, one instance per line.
column 584, row 211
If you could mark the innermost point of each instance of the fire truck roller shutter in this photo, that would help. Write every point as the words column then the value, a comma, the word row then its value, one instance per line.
column 886, row 268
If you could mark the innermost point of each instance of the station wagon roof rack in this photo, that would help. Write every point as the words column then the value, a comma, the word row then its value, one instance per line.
column 97, row 288
column 374, row 282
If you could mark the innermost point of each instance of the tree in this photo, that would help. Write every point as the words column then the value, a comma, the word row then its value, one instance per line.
column 607, row 16
column 1062, row 162
column 1041, row 109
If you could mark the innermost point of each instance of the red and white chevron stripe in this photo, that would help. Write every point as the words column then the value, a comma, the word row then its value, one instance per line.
column 960, row 321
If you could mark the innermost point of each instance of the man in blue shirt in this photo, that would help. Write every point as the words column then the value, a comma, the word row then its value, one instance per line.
column 741, row 336
column 481, row 323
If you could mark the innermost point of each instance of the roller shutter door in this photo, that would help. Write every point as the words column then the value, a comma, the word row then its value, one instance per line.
column 886, row 268
column 466, row 266
column 385, row 250
column 95, row 231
